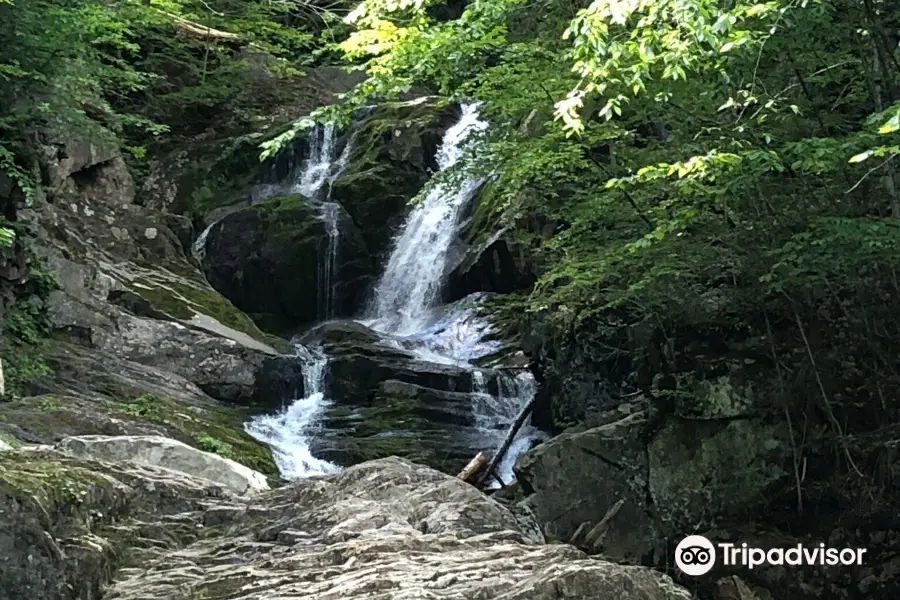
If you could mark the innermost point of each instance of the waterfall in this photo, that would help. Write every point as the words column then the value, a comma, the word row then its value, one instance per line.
column 405, row 312
column 319, row 173
column 320, row 170
column 495, row 414
column 412, row 278
column 405, row 298
column 288, row 431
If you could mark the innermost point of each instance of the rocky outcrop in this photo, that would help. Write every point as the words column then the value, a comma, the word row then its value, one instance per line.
column 92, row 392
column 359, row 362
column 159, row 451
column 384, row 401
column 130, row 288
column 687, row 475
column 392, row 155
column 386, row 528
column 270, row 260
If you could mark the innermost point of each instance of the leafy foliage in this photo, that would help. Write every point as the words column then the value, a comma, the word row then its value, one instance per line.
column 697, row 169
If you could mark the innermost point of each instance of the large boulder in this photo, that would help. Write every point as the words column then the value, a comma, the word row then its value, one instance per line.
column 273, row 261
column 687, row 475
column 425, row 425
column 385, row 401
column 158, row 451
column 359, row 361
column 393, row 153
column 387, row 528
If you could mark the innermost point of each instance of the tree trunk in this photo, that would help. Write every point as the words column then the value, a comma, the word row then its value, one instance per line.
column 474, row 467
column 513, row 430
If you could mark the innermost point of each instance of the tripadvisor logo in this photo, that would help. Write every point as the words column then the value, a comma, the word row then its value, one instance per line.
column 696, row 555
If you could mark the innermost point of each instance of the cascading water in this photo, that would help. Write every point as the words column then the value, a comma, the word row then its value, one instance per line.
column 320, row 170
column 331, row 214
column 287, row 432
column 405, row 298
column 412, row 279
column 405, row 313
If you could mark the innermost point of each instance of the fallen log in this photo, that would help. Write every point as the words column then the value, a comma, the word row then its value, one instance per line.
column 510, row 436
column 579, row 534
column 594, row 539
column 474, row 467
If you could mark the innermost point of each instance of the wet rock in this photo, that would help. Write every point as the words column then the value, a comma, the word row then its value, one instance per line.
column 270, row 260
column 393, row 153
column 353, row 535
column 428, row 426
column 158, row 451
column 356, row 371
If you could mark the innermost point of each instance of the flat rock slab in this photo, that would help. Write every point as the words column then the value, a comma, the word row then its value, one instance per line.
column 158, row 451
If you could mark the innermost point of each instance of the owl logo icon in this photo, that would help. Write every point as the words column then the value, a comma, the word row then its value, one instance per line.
column 695, row 555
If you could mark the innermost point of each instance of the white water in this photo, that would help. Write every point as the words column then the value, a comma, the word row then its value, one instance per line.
column 288, row 431
column 412, row 279
column 321, row 169
column 405, row 297
column 331, row 214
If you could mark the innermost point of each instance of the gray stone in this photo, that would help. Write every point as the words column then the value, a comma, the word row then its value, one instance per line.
column 578, row 477
column 158, row 451
column 688, row 475
column 384, row 530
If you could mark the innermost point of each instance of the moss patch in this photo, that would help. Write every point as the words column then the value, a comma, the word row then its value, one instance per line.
column 183, row 300
column 221, row 427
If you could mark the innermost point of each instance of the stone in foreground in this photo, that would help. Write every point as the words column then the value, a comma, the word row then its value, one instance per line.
column 382, row 530
column 158, row 451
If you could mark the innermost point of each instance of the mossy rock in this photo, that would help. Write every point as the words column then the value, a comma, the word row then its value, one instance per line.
column 212, row 428
column 392, row 156
column 49, row 511
column 47, row 419
column 270, row 261
column 183, row 299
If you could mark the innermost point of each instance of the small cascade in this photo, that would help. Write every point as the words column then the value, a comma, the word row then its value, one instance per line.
column 322, row 167
column 200, row 242
column 314, row 179
column 411, row 281
column 331, row 214
column 288, row 432
column 495, row 414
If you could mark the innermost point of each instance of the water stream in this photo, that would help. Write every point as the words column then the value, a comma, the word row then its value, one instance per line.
column 288, row 431
column 406, row 314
